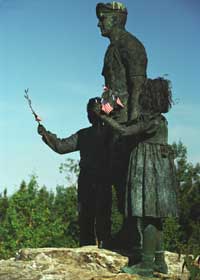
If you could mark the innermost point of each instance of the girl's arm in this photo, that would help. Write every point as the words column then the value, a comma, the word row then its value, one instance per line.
column 141, row 127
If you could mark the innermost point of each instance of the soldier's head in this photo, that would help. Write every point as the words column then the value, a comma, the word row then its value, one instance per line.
column 111, row 16
column 93, row 103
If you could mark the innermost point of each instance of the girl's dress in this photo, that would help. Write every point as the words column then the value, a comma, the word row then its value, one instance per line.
column 151, row 185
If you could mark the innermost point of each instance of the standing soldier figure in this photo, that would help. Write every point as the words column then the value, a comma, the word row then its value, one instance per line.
column 124, row 72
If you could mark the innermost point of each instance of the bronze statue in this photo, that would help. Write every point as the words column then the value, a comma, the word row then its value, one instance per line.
column 124, row 71
column 150, row 194
column 127, row 147
column 94, row 189
column 149, row 189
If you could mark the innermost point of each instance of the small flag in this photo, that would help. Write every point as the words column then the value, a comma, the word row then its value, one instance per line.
column 105, row 88
column 37, row 118
column 118, row 101
column 106, row 107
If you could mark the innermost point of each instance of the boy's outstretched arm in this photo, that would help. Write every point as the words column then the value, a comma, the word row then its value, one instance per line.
column 61, row 146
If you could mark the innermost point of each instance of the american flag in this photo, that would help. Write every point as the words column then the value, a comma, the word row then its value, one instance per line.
column 106, row 107
column 118, row 101
column 105, row 88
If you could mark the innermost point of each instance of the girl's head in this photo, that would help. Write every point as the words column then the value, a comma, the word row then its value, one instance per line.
column 157, row 96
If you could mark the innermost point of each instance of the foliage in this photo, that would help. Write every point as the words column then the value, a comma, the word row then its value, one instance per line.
column 36, row 217
column 184, row 233
column 116, row 216
column 192, row 264
column 71, row 170
column 172, row 234
column 65, row 207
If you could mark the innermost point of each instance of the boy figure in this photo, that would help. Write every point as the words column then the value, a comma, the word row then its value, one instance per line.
column 94, row 190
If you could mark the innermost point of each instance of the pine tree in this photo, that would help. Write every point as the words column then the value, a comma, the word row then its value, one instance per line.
column 184, row 233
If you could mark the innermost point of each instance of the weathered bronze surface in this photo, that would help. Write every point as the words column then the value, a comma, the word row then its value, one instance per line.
column 94, row 190
column 126, row 146
column 140, row 129
column 125, row 60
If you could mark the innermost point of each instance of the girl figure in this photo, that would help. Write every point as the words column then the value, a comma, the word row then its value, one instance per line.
column 150, row 194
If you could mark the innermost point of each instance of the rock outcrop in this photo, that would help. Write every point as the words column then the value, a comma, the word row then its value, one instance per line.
column 85, row 263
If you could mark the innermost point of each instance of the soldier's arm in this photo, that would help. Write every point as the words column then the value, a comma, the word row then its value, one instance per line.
column 60, row 146
column 137, row 84
column 134, row 60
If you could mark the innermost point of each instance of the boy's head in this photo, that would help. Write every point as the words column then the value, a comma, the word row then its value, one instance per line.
column 93, row 104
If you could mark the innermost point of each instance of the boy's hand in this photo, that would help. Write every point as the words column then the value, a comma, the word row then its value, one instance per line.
column 41, row 129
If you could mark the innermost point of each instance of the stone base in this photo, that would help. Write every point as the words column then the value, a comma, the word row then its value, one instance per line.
column 85, row 263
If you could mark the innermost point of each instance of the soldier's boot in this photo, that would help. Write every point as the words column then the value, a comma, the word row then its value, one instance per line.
column 160, row 264
column 135, row 255
column 146, row 267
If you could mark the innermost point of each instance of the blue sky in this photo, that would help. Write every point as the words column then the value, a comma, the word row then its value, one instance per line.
column 55, row 49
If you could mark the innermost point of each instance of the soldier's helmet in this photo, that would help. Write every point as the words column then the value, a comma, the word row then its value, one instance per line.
column 113, row 7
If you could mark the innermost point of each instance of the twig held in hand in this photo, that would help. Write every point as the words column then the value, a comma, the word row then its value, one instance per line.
column 37, row 118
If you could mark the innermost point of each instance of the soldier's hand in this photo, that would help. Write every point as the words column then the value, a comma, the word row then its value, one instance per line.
column 41, row 129
column 106, row 94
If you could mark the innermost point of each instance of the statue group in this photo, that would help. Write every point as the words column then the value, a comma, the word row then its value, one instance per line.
column 125, row 147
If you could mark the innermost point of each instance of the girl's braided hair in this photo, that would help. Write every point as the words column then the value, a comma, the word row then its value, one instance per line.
column 157, row 96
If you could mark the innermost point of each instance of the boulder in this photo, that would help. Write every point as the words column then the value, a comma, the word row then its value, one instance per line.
column 85, row 263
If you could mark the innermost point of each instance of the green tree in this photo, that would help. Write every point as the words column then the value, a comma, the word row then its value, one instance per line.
column 186, row 229
column 65, row 207
column 31, row 220
column 3, row 205
column 71, row 170
column 116, row 216
column 36, row 217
